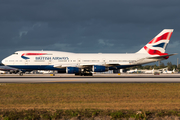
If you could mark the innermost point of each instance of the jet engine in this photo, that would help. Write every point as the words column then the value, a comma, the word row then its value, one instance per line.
column 73, row 70
column 99, row 68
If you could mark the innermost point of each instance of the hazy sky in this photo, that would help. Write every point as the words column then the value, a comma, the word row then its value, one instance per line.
column 88, row 26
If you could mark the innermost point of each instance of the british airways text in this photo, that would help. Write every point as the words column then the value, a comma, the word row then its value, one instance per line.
column 52, row 58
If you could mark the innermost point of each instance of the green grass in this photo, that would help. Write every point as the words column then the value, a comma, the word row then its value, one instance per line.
column 113, row 96
column 35, row 114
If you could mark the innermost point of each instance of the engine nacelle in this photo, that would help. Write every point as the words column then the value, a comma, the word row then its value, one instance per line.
column 72, row 70
column 99, row 68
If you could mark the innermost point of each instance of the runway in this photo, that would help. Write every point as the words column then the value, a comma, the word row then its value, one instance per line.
column 99, row 78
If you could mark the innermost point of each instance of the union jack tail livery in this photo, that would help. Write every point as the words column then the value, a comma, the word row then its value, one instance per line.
column 158, row 44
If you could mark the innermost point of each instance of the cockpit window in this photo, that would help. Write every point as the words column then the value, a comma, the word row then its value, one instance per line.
column 15, row 53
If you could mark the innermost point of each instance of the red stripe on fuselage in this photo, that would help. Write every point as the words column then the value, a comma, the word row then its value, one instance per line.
column 33, row 54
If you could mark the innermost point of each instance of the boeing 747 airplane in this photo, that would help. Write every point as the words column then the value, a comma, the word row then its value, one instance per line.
column 86, row 64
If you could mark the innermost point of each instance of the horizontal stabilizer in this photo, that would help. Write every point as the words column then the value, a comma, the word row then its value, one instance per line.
column 157, row 57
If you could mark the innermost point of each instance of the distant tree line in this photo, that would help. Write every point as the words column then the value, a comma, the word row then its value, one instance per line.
column 162, row 65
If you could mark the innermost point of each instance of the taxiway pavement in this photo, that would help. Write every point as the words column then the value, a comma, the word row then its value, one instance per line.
column 97, row 78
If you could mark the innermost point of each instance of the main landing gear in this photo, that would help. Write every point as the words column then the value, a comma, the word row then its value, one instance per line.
column 84, row 74
column 88, row 74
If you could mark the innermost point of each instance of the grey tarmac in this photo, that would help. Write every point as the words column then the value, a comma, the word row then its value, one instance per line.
column 96, row 78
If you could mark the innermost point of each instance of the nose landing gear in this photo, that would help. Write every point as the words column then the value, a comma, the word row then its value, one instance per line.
column 20, row 73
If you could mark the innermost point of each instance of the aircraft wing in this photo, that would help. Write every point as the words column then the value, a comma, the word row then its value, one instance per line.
column 76, row 65
column 85, row 65
column 109, row 64
column 65, row 65
column 116, row 63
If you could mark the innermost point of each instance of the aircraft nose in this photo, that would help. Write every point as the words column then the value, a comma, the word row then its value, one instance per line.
column 3, row 62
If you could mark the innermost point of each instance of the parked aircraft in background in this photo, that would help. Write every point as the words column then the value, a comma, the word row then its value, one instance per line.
column 45, row 71
column 166, row 71
column 2, row 72
column 149, row 71
column 142, row 71
column 85, row 64
column 132, row 71
column 163, row 70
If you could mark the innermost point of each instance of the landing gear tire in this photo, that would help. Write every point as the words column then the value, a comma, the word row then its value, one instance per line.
column 77, row 74
column 88, row 74
column 84, row 74
column 20, row 74
column 80, row 74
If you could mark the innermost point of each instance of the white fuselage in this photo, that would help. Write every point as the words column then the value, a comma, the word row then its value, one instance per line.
column 55, row 59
